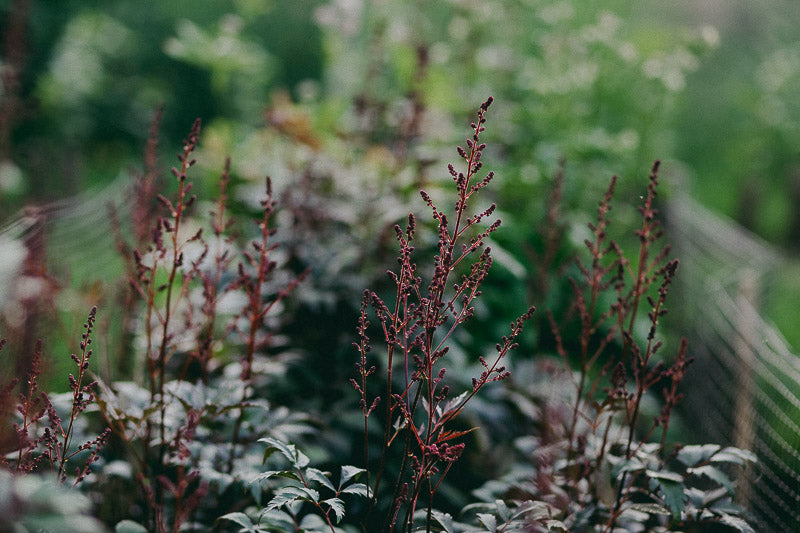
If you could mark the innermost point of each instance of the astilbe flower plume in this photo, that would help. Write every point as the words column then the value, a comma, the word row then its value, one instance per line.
column 417, row 329
column 605, row 420
column 82, row 396
column 180, row 279
column 42, row 439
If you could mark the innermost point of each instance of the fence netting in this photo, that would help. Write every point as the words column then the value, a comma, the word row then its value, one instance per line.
column 744, row 387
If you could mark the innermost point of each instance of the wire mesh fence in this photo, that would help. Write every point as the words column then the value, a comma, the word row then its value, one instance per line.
column 745, row 384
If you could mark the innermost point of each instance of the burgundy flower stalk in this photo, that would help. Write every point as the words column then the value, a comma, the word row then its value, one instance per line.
column 185, row 496
column 171, row 226
column 212, row 291
column 32, row 405
column 416, row 330
column 630, row 372
column 253, row 278
column 171, row 254
column 166, row 252
column 648, row 269
column 55, row 441
column 675, row 374
column 646, row 377
column 627, row 372
column 598, row 276
column 648, row 272
column 163, row 278
column 93, row 446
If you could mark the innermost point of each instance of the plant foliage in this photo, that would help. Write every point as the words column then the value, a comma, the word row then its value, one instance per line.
column 229, row 393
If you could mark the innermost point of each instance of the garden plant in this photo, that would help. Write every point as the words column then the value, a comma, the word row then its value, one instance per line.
column 431, row 427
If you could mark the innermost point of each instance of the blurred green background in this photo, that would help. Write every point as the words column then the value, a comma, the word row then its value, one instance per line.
column 711, row 88
column 91, row 73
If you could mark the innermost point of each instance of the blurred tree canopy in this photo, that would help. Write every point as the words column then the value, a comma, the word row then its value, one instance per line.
column 92, row 74
column 711, row 89
column 711, row 86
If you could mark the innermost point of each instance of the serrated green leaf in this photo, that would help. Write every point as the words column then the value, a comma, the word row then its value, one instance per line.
column 502, row 510
column 714, row 495
column 479, row 506
column 302, row 459
column 489, row 521
column 278, row 445
column 734, row 455
column 279, row 519
column 737, row 523
column 629, row 514
column 557, row 525
column 279, row 500
column 338, row 507
column 289, row 451
column 304, row 493
column 444, row 520
column 268, row 451
column 672, row 493
column 287, row 495
column 311, row 494
column 275, row 473
column 240, row 518
column 696, row 454
column 348, row 473
column 312, row 474
column 650, row 508
column 713, row 473
column 669, row 476
column 536, row 510
column 694, row 496
column 129, row 526
column 356, row 488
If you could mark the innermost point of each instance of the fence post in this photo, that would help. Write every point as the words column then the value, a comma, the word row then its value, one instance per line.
column 744, row 435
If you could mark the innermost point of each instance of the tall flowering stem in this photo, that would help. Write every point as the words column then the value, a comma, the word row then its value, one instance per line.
column 176, row 211
column 212, row 286
column 162, row 279
column 608, row 338
column 253, row 278
column 58, row 440
column 53, row 446
column 417, row 328
column 599, row 275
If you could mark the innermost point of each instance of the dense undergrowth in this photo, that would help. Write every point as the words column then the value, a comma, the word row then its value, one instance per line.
column 227, row 341
column 235, row 407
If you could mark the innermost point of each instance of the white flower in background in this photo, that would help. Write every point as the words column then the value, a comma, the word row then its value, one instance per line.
column 12, row 255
